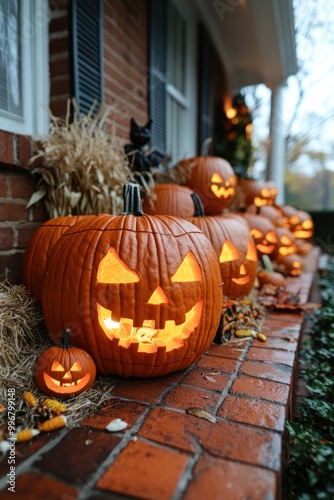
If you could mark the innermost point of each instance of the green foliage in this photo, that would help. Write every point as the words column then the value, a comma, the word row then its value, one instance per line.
column 309, row 471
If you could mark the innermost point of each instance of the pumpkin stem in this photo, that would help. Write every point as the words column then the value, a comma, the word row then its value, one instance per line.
column 65, row 339
column 132, row 200
column 199, row 209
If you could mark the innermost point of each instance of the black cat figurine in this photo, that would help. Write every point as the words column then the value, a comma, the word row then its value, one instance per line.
column 140, row 160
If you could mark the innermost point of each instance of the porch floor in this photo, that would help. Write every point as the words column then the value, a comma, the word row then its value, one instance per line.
column 168, row 454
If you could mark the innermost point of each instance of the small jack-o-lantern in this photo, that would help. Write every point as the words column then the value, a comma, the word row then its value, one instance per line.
column 301, row 225
column 39, row 247
column 142, row 294
column 213, row 179
column 257, row 192
column 170, row 199
column 286, row 243
column 292, row 264
column 263, row 232
column 64, row 371
column 235, row 250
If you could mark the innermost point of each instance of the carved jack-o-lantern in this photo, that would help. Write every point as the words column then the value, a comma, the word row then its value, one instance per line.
column 301, row 225
column 213, row 179
column 286, row 243
column 64, row 371
column 170, row 199
column 142, row 294
column 263, row 233
column 292, row 264
column 259, row 193
column 235, row 249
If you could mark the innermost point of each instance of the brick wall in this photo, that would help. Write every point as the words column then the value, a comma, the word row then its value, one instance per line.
column 125, row 66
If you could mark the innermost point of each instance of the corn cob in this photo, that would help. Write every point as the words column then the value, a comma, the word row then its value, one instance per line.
column 24, row 435
column 55, row 406
column 53, row 423
column 29, row 399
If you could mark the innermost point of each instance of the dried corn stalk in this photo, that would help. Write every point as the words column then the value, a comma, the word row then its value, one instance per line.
column 83, row 168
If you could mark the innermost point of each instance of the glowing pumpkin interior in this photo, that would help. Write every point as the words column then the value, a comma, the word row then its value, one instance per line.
column 230, row 253
column 265, row 242
column 222, row 189
column 149, row 334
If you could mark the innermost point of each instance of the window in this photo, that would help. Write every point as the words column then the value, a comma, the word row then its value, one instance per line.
column 23, row 66
column 173, row 79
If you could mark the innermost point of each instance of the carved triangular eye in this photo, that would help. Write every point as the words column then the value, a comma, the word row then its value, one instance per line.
column 217, row 178
column 188, row 270
column 57, row 367
column 229, row 252
column 251, row 251
column 113, row 270
column 76, row 367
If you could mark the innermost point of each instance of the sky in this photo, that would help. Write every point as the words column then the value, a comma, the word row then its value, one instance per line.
column 314, row 21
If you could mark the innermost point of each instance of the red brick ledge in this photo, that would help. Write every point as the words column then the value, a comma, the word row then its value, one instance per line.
column 166, row 453
column 15, row 149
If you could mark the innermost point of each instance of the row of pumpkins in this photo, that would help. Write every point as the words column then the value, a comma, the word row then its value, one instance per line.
column 142, row 294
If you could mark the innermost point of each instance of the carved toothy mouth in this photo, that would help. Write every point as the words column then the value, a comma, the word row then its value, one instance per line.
column 147, row 335
column 57, row 383
column 222, row 192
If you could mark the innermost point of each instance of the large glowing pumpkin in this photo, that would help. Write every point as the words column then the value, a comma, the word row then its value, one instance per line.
column 213, row 179
column 64, row 371
column 141, row 294
column 263, row 232
column 170, row 199
column 258, row 192
column 235, row 250
column 39, row 247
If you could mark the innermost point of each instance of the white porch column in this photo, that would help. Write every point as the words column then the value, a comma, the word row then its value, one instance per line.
column 277, row 152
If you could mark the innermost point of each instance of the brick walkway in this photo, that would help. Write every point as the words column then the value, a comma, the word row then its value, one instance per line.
column 167, row 454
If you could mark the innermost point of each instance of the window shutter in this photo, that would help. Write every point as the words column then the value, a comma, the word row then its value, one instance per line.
column 87, row 49
column 205, row 79
column 157, row 73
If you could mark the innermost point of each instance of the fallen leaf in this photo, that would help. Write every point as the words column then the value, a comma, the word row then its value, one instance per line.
column 116, row 425
column 198, row 412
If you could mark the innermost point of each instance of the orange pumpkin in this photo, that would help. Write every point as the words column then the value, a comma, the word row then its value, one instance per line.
column 272, row 212
column 213, row 179
column 286, row 243
column 235, row 250
column 263, row 232
column 64, row 371
column 39, row 247
column 292, row 264
column 142, row 294
column 271, row 278
column 258, row 192
column 301, row 225
column 170, row 199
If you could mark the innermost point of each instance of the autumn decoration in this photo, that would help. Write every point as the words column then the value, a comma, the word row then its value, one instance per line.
column 38, row 248
column 142, row 294
column 258, row 192
column 263, row 232
column 64, row 371
column 213, row 179
column 170, row 199
column 235, row 250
